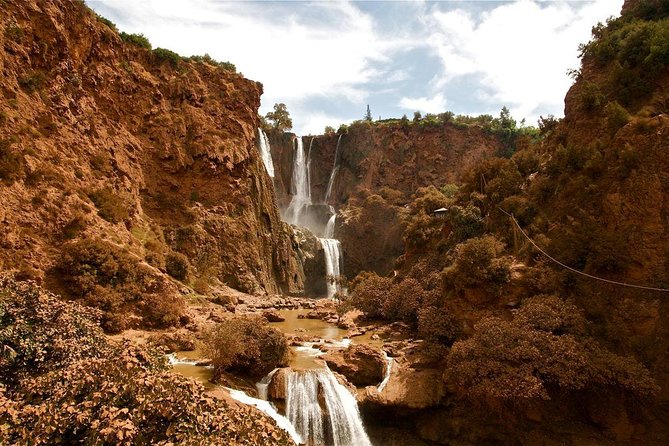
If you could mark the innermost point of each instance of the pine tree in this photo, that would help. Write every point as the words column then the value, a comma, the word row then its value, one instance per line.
column 368, row 115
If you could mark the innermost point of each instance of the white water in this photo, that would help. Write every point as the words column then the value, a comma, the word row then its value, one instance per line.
column 389, row 369
column 265, row 152
column 300, row 187
column 263, row 385
column 335, row 170
column 332, row 248
column 330, row 227
column 269, row 410
column 340, row 424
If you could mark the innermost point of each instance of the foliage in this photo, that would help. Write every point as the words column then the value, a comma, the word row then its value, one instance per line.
column 32, row 82
column 63, row 382
column 368, row 293
column 280, row 118
column 478, row 263
column 466, row 222
column 247, row 345
column 14, row 32
column 417, row 116
column 436, row 323
column 211, row 61
column 107, row 22
column 329, row 130
column 541, row 351
column 616, row 115
column 109, row 278
column 163, row 55
column 110, row 206
column 177, row 266
column 403, row 301
column 139, row 40
column 11, row 163
column 368, row 114
column 420, row 226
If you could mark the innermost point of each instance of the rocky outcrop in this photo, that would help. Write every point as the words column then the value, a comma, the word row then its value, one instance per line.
column 312, row 257
column 100, row 138
column 362, row 365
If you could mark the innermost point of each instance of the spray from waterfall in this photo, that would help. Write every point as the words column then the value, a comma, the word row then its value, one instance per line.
column 335, row 170
column 332, row 248
column 338, row 423
column 265, row 152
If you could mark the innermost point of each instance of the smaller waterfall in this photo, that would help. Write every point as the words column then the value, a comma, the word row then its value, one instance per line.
column 269, row 410
column 389, row 369
column 265, row 152
column 332, row 248
column 338, row 423
column 330, row 227
column 263, row 385
column 335, row 170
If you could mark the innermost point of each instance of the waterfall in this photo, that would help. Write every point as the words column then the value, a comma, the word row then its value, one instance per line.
column 263, row 384
column 330, row 227
column 265, row 152
column 389, row 369
column 332, row 248
column 335, row 170
column 300, row 187
column 338, row 423
column 269, row 410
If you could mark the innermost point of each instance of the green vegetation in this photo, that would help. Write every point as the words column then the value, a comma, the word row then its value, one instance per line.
column 107, row 22
column 280, row 118
column 14, row 32
column 246, row 345
column 11, row 163
column 211, row 61
column 177, row 266
column 162, row 55
column 62, row 382
column 106, row 277
column 136, row 39
column 110, row 206
column 33, row 82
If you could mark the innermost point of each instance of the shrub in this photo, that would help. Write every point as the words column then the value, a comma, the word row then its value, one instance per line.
column 107, row 22
column 477, row 263
column 419, row 224
column 163, row 55
column 369, row 292
column 465, row 222
column 437, row 324
column 11, row 163
column 110, row 206
column 74, row 226
column 139, row 40
column 14, row 32
column 177, row 265
column 247, row 345
column 539, row 352
column 616, row 116
column 32, row 82
column 403, row 301
column 211, row 61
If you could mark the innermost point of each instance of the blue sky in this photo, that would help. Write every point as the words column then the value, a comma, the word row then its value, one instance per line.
column 327, row 60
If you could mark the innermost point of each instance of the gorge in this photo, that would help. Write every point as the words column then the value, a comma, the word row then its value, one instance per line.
column 176, row 269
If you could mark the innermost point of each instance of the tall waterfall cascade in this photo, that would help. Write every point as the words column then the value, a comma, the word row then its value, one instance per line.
column 265, row 152
column 338, row 423
column 332, row 248
column 300, row 187
column 335, row 171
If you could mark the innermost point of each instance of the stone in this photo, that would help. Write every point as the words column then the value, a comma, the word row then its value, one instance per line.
column 362, row 365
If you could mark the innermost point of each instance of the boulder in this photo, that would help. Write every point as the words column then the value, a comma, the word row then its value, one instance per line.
column 273, row 316
column 362, row 365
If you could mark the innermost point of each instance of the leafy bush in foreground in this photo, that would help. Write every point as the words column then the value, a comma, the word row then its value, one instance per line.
column 62, row 382
column 247, row 345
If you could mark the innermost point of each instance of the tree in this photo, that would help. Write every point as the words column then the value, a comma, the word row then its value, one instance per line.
column 280, row 118
column 417, row 116
column 368, row 115
column 329, row 130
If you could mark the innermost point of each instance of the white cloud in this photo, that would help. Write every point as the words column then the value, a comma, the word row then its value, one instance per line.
column 520, row 51
column 435, row 104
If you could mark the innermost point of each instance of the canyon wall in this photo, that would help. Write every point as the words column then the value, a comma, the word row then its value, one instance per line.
column 103, row 139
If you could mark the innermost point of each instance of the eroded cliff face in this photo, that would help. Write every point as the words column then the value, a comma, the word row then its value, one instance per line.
column 388, row 160
column 102, row 139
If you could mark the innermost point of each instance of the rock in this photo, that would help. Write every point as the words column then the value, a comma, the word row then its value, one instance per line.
column 362, row 365
column 273, row 316
column 277, row 387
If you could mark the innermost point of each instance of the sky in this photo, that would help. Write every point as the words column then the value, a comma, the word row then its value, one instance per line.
column 327, row 60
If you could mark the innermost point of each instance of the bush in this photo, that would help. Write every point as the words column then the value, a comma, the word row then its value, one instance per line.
column 110, row 206
column 162, row 55
column 111, row 25
column 14, row 32
column 616, row 116
column 369, row 292
column 139, row 40
column 419, row 224
column 437, row 324
column 177, row 265
column 211, row 61
column 403, row 301
column 246, row 345
column 477, row 263
column 32, row 82
column 11, row 163
column 539, row 352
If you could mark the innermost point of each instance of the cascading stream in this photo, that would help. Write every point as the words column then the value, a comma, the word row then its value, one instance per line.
column 300, row 187
column 337, row 424
column 265, row 152
column 332, row 248
column 335, row 170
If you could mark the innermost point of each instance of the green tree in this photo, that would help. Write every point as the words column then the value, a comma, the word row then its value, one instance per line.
column 368, row 115
column 280, row 118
